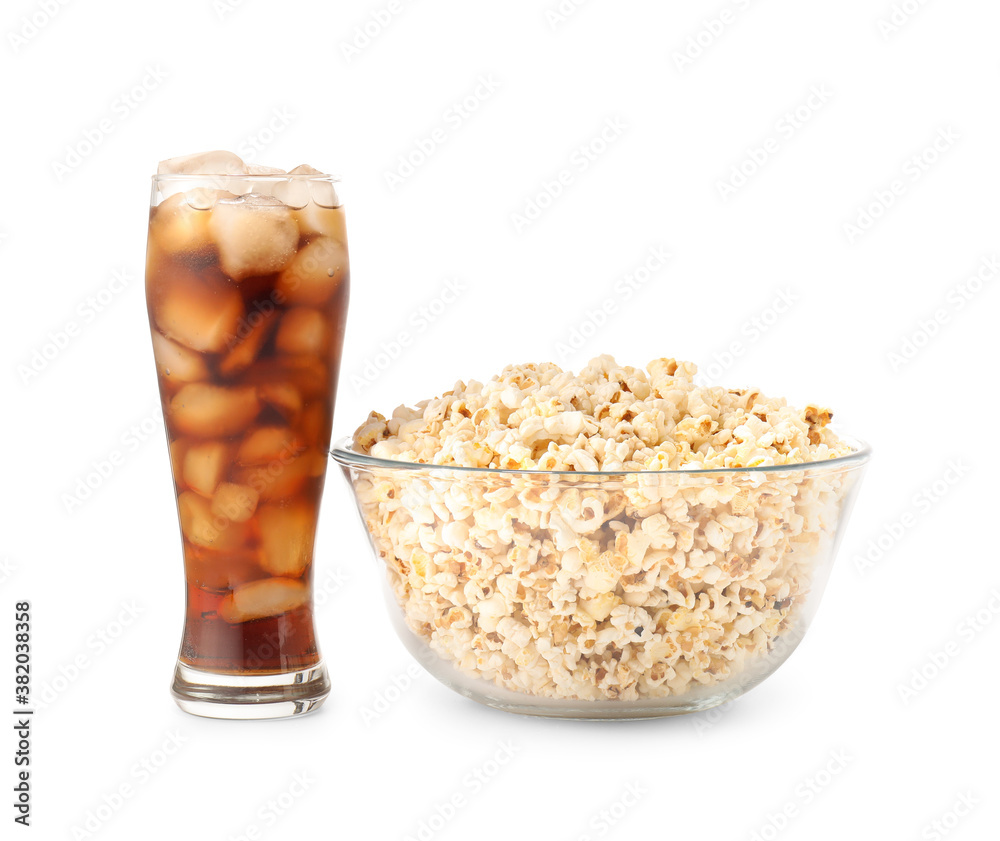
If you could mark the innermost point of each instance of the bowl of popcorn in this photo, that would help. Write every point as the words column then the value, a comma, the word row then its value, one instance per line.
column 617, row 543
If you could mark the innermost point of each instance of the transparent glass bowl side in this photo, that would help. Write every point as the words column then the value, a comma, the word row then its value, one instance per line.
column 603, row 595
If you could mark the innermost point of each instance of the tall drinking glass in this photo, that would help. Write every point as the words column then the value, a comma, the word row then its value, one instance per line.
column 247, row 290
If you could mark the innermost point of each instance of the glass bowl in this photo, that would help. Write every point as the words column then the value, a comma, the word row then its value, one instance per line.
column 603, row 595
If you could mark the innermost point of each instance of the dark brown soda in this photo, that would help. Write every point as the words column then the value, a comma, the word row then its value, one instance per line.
column 291, row 385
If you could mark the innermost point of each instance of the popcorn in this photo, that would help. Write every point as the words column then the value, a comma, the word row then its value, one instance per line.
column 624, row 577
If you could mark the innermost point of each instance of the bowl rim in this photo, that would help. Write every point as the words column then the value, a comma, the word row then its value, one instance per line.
column 345, row 455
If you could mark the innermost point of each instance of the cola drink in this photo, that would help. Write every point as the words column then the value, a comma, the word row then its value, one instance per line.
column 247, row 288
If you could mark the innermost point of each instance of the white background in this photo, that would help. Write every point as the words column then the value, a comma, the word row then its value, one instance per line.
column 181, row 77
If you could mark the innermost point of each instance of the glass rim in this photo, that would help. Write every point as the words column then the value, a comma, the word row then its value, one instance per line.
column 268, row 176
column 343, row 453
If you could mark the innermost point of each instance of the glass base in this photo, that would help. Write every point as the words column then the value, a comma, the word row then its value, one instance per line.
column 250, row 696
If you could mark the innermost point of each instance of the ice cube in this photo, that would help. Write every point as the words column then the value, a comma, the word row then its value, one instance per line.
column 262, row 598
column 203, row 528
column 322, row 189
column 195, row 311
column 179, row 224
column 294, row 192
column 255, row 235
column 303, row 331
column 205, row 466
column 239, row 358
column 324, row 193
column 323, row 221
column 175, row 363
column 235, row 502
column 221, row 170
column 283, row 398
column 264, row 186
column 283, row 477
column 309, row 376
column 268, row 443
column 315, row 272
column 204, row 198
column 287, row 532
column 220, row 570
column 219, row 162
column 210, row 411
